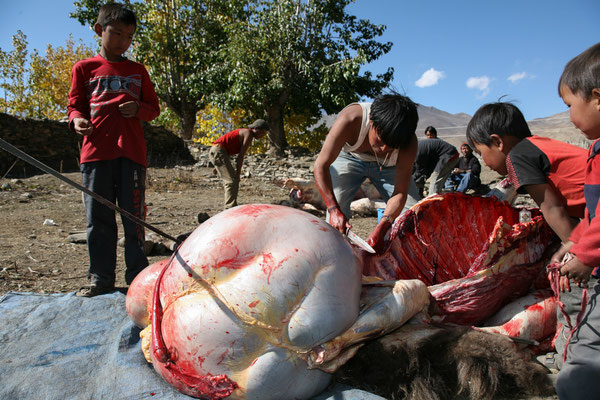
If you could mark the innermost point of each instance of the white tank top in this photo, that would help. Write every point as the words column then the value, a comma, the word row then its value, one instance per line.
column 364, row 130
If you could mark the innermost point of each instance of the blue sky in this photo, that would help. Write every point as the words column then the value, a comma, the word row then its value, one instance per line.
column 454, row 55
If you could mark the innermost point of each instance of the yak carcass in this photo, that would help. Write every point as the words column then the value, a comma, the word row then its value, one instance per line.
column 259, row 293
column 244, row 300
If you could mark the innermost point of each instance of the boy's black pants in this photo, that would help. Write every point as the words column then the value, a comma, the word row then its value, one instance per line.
column 122, row 181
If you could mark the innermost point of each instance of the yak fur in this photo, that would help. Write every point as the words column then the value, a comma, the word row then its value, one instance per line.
column 425, row 362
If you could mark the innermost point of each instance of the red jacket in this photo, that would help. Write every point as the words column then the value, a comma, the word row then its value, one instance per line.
column 98, row 87
column 586, row 235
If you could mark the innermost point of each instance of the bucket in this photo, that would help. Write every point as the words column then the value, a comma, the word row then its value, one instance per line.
column 380, row 214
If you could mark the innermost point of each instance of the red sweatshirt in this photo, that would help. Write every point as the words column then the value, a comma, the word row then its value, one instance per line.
column 586, row 235
column 98, row 87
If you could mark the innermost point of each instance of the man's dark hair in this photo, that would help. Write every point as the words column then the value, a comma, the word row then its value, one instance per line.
column 502, row 119
column 395, row 119
column 582, row 74
column 113, row 12
column 431, row 129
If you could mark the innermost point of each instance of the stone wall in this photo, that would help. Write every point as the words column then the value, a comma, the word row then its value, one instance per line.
column 297, row 163
column 52, row 143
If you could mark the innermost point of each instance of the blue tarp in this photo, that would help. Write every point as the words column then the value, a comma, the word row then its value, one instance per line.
column 64, row 347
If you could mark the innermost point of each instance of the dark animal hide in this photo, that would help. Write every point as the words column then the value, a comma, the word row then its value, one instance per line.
column 423, row 362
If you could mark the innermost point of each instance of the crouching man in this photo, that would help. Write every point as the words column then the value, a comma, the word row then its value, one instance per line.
column 369, row 140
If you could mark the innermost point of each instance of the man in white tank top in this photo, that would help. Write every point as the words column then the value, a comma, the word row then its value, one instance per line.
column 370, row 140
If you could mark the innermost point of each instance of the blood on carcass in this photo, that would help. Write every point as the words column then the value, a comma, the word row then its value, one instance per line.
column 472, row 252
column 529, row 317
column 268, row 284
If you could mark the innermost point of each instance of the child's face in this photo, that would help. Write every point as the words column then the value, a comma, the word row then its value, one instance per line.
column 584, row 114
column 116, row 39
column 492, row 156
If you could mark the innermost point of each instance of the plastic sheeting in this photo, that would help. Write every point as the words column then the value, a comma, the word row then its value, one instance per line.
column 61, row 346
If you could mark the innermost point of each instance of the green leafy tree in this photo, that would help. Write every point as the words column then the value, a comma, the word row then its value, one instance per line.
column 13, row 70
column 181, row 42
column 300, row 57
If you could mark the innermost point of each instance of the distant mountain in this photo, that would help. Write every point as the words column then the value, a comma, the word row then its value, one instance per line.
column 449, row 124
column 446, row 124
column 453, row 127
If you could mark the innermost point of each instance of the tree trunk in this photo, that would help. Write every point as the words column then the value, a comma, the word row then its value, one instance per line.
column 186, row 113
column 187, row 121
column 277, row 141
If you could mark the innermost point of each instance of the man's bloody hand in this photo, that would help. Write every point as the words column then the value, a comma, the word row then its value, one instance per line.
column 377, row 238
column 338, row 220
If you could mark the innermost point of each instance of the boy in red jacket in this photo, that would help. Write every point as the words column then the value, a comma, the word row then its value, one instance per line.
column 109, row 96
column 579, row 87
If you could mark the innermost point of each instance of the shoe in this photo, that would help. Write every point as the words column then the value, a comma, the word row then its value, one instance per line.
column 549, row 361
column 92, row 290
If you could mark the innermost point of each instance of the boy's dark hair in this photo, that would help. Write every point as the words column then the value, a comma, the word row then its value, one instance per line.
column 113, row 12
column 582, row 74
column 502, row 119
column 431, row 129
column 395, row 119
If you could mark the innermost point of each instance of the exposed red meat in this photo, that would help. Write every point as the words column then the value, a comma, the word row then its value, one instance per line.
column 473, row 253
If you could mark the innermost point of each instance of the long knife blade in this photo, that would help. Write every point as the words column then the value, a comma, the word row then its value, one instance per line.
column 26, row 157
column 357, row 240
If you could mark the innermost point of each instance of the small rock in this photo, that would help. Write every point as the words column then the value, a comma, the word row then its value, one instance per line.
column 80, row 237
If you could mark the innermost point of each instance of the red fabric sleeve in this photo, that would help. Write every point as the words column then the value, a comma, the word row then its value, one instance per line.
column 586, row 236
column 587, row 242
column 79, row 106
column 148, row 103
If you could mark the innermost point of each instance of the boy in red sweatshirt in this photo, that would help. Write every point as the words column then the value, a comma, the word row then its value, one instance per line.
column 109, row 96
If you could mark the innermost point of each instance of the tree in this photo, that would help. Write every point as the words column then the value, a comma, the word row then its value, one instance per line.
column 180, row 41
column 50, row 78
column 301, row 57
column 38, row 86
column 13, row 68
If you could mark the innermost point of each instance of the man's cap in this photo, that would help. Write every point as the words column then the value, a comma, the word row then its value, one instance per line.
column 259, row 124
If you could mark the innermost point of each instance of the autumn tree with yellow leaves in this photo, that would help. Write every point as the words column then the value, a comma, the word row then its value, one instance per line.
column 37, row 86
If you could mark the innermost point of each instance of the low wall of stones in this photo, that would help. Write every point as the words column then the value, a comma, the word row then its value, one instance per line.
column 297, row 163
column 52, row 143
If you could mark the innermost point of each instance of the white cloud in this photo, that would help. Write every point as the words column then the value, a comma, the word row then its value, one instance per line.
column 517, row 77
column 430, row 78
column 481, row 83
